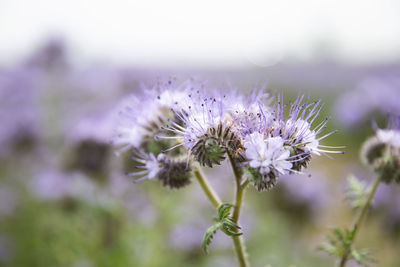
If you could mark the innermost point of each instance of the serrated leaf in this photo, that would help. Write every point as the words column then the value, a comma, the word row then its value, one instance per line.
column 224, row 223
column 209, row 236
column 358, row 192
column 328, row 248
column 229, row 232
column 224, row 210
column 229, row 223
column 340, row 243
column 363, row 256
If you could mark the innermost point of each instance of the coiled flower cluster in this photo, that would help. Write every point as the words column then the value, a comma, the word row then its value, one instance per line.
column 193, row 123
column 382, row 151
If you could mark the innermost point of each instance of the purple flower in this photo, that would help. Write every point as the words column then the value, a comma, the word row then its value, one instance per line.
column 383, row 151
column 313, row 192
column 210, row 123
column 387, row 200
column 173, row 172
column 142, row 116
column 379, row 93
column 390, row 135
column 50, row 185
column 150, row 165
column 267, row 153
column 297, row 128
column 19, row 116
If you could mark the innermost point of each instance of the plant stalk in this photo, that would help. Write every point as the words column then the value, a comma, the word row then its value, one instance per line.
column 208, row 190
column 360, row 219
column 238, row 242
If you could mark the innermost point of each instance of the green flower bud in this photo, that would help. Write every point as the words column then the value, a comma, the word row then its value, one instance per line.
column 211, row 148
column 262, row 181
column 208, row 151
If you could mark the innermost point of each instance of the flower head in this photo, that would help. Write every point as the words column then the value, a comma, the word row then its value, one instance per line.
column 277, row 144
column 172, row 172
column 208, row 125
column 267, row 154
column 267, row 159
column 205, row 127
column 298, row 131
column 140, row 117
column 382, row 151
column 378, row 92
column 390, row 135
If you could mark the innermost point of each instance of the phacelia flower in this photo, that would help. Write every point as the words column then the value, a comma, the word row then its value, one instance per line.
column 269, row 157
column 378, row 92
column 298, row 132
column 149, row 164
column 390, row 135
column 382, row 151
column 205, row 127
column 208, row 125
column 141, row 117
column 89, row 151
column 277, row 144
column 172, row 172
column 267, row 153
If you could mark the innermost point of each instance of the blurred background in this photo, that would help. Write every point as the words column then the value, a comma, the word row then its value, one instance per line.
column 66, row 65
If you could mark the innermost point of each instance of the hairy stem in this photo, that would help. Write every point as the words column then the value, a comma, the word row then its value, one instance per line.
column 208, row 190
column 360, row 219
column 238, row 242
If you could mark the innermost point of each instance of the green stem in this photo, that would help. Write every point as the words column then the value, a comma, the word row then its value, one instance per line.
column 360, row 219
column 238, row 242
column 208, row 190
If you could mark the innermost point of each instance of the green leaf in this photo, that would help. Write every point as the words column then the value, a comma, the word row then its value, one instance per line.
column 224, row 210
column 224, row 223
column 340, row 243
column 363, row 257
column 358, row 192
column 209, row 236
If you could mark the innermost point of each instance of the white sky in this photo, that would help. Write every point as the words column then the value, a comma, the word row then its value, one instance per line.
column 205, row 33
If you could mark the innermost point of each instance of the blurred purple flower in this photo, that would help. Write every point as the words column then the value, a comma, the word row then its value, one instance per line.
column 315, row 193
column 50, row 185
column 388, row 199
column 376, row 93
column 8, row 200
column 88, row 143
column 186, row 237
column 18, row 108
column 96, row 127
column 51, row 55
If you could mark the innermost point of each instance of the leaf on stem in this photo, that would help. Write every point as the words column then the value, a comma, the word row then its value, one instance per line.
column 357, row 192
column 224, row 223
column 340, row 243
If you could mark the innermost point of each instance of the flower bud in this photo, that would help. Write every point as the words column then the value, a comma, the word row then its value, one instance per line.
column 388, row 168
column 383, row 151
column 208, row 151
column 372, row 150
column 262, row 181
column 90, row 157
column 174, row 173
column 300, row 158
